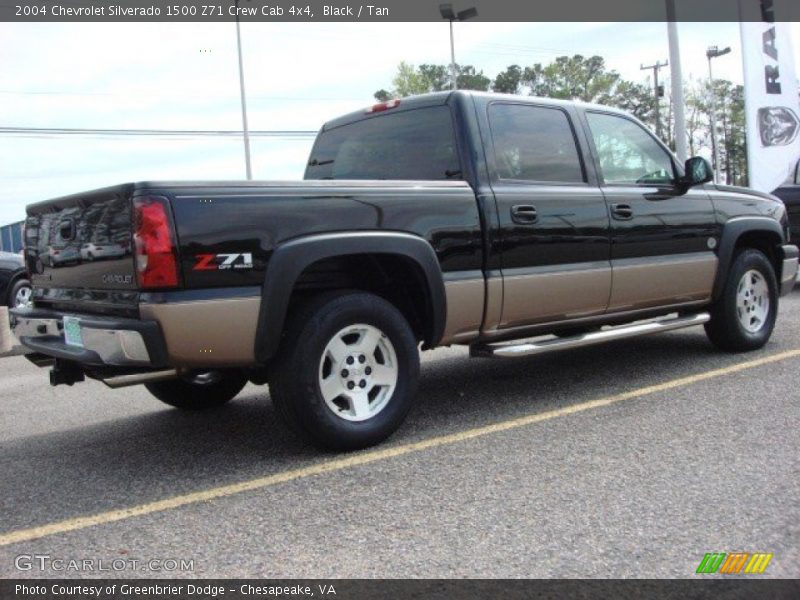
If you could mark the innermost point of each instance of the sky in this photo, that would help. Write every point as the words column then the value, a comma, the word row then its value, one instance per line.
column 298, row 75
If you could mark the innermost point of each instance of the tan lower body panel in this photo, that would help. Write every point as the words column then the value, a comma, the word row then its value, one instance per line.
column 208, row 332
column 654, row 281
column 552, row 294
column 465, row 299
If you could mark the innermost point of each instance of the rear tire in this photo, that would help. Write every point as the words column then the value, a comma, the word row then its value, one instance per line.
column 744, row 316
column 201, row 391
column 347, row 370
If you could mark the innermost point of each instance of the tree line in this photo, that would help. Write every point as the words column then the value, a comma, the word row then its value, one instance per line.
column 588, row 79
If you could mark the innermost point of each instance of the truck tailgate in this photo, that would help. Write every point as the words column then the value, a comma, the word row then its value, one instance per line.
column 79, row 253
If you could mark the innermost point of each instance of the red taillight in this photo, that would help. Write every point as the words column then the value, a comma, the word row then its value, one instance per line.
column 28, row 269
column 383, row 106
column 156, row 263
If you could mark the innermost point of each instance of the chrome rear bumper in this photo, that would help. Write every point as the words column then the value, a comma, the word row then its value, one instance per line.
column 106, row 341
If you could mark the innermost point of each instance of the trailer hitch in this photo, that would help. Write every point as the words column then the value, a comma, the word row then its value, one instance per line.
column 65, row 372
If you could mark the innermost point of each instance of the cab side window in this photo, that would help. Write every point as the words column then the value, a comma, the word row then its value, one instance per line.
column 534, row 143
column 628, row 154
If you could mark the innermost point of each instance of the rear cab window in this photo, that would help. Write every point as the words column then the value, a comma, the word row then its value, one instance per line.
column 412, row 144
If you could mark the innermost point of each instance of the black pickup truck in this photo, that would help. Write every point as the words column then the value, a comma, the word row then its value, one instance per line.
column 789, row 192
column 513, row 225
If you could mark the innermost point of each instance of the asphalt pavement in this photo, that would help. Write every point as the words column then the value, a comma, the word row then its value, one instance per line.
column 632, row 459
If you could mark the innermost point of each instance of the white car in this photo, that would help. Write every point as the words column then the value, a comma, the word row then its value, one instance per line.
column 63, row 254
column 92, row 251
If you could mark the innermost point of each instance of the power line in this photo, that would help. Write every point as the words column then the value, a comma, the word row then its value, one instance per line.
column 176, row 94
column 50, row 131
column 532, row 49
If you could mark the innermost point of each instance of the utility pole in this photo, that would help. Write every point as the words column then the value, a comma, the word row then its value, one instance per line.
column 658, row 90
column 729, row 155
column 714, row 52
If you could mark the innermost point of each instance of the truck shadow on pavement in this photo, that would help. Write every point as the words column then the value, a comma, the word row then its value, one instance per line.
column 165, row 453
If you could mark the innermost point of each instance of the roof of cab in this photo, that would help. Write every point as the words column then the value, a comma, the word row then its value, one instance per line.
column 441, row 98
column 433, row 99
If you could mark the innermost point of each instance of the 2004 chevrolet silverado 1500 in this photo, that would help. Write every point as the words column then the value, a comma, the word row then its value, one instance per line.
column 451, row 218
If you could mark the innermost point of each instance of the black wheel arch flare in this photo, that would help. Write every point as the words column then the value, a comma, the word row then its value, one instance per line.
column 732, row 232
column 290, row 259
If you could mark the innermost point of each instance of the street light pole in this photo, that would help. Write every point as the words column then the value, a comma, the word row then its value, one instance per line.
column 447, row 12
column 245, row 130
column 714, row 52
column 453, row 83
column 677, row 82
column 656, row 67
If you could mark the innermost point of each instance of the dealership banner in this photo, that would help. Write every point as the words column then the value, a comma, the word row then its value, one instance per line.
column 772, row 107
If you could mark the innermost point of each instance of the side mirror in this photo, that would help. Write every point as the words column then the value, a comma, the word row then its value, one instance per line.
column 698, row 171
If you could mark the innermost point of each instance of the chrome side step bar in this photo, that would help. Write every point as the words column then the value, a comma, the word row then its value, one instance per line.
column 510, row 350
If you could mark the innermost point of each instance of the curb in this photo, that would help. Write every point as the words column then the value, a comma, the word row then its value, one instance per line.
column 9, row 346
column 15, row 351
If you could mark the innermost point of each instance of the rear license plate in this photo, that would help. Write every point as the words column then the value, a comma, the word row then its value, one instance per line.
column 72, row 331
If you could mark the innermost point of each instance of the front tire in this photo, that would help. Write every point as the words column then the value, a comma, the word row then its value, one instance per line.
column 199, row 391
column 744, row 316
column 21, row 294
column 347, row 371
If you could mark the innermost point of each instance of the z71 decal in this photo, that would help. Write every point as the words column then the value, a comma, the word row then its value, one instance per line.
column 222, row 262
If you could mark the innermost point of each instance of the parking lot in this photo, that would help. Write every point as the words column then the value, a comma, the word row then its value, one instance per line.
column 627, row 460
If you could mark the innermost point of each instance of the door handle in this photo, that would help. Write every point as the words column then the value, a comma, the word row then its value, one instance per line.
column 524, row 214
column 622, row 211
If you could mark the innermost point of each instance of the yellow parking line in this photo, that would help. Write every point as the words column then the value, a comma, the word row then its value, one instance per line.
column 26, row 535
